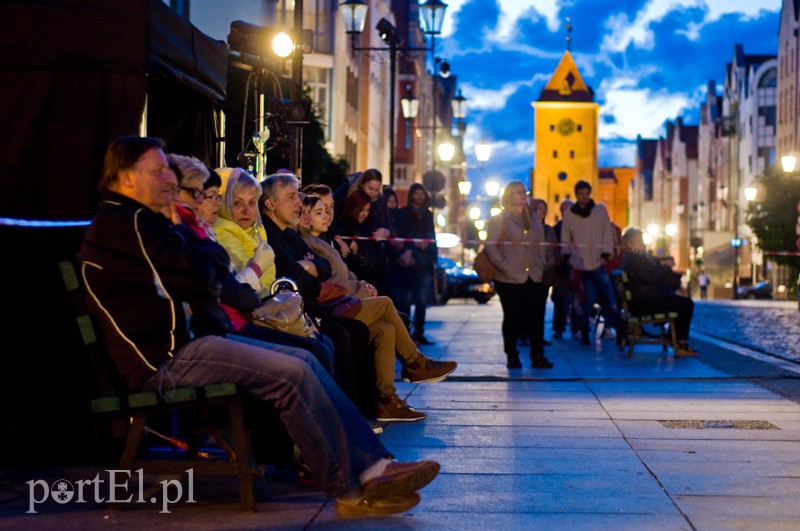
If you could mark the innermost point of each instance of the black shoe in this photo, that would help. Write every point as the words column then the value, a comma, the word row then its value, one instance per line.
column 541, row 363
column 513, row 361
column 558, row 335
column 547, row 343
column 422, row 340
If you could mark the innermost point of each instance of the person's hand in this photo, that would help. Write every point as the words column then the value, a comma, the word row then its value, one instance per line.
column 344, row 250
column 309, row 266
column 373, row 291
column 263, row 257
column 354, row 247
column 381, row 233
column 405, row 259
column 422, row 245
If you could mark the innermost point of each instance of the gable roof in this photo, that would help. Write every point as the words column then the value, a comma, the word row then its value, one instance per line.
column 566, row 83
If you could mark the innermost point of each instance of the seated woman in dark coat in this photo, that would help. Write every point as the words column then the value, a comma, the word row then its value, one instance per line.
column 654, row 287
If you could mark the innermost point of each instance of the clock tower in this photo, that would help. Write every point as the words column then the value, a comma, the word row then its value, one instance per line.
column 565, row 132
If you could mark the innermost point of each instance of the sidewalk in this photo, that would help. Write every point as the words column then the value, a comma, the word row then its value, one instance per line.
column 600, row 441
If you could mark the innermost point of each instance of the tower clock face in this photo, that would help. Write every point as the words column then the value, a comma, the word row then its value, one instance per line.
column 566, row 127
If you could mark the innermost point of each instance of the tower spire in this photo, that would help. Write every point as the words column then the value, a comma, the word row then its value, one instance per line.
column 569, row 34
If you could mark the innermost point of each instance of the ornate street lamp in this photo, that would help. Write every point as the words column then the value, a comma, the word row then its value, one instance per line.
column 483, row 151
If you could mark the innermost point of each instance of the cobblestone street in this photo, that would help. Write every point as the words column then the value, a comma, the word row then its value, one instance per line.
column 771, row 327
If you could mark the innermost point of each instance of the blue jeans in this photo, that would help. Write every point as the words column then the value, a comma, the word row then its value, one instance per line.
column 332, row 436
column 598, row 289
column 419, row 294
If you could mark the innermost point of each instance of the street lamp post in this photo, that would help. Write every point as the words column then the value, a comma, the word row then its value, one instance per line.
column 354, row 14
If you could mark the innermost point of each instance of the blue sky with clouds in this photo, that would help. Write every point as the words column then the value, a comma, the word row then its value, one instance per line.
column 648, row 61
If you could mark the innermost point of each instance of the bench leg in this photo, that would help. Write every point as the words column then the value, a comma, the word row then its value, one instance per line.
column 243, row 457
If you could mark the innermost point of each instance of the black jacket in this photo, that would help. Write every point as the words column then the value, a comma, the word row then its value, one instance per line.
column 139, row 272
column 289, row 248
column 648, row 279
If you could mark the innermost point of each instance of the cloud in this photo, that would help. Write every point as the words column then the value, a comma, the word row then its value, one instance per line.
column 637, row 111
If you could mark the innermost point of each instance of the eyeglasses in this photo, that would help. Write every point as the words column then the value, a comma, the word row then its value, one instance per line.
column 196, row 194
column 213, row 197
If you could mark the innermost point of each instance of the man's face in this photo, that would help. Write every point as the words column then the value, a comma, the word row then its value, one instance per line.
column 418, row 197
column 582, row 196
column 150, row 181
column 284, row 207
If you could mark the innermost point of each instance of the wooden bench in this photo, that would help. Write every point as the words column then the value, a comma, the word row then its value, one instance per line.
column 193, row 409
column 635, row 324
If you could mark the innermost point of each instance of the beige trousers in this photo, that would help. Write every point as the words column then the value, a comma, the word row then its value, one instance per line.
column 389, row 334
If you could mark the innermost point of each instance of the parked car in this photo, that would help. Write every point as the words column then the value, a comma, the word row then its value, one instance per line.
column 760, row 290
column 454, row 281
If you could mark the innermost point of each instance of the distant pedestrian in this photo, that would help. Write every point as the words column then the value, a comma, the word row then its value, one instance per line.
column 514, row 245
column 703, row 281
column 587, row 227
column 563, row 309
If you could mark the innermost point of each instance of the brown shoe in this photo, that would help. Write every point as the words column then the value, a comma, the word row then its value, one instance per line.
column 394, row 409
column 396, row 504
column 426, row 370
column 684, row 350
column 400, row 479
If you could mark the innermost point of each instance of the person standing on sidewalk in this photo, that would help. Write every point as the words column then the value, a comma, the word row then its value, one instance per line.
column 562, row 295
column 514, row 245
column 703, row 281
column 415, row 220
column 588, row 231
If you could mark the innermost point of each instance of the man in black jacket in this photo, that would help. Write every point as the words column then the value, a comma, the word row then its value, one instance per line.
column 353, row 365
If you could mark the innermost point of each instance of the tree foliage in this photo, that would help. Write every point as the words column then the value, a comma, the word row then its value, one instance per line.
column 773, row 216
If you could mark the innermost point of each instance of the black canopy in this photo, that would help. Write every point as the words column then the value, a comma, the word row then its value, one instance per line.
column 75, row 74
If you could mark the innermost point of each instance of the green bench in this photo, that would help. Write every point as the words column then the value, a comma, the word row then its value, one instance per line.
column 635, row 324
column 196, row 410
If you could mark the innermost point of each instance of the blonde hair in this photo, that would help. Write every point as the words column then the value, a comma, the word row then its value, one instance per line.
column 234, row 180
column 504, row 199
column 193, row 171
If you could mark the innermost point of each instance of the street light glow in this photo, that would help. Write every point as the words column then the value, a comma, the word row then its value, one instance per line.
column 479, row 224
column 483, row 151
column 647, row 239
column 788, row 163
column 446, row 151
column 495, row 211
column 670, row 229
column 653, row 229
column 750, row 193
column 492, row 188
column 464, row 187
column 474, row 213
column 282, row 44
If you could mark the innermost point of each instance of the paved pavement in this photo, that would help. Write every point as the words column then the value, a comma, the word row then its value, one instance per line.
column 600, row 441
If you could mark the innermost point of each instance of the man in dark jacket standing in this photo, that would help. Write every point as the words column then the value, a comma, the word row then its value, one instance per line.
column 415, row 220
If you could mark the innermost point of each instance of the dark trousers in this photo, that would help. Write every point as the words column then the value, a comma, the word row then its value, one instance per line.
column 353, row 364
column 562, row 302
column 415, row 287
column 523, row 315
column 684, row 306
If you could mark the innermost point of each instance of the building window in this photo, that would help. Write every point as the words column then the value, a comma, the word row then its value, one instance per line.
column 555, row 154
column 555, row 199
column 572, row 153
column 552, row 127
column 580, row 128
column 562, row 176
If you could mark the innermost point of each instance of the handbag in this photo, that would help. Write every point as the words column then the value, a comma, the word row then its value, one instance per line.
column 344, row 306
column 484, row 267
column 283, row 310
column 330, row 291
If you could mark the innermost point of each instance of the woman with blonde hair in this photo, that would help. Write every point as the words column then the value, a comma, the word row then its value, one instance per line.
column 514, row 245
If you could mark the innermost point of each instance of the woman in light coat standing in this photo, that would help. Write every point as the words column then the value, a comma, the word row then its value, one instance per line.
column 514, row 245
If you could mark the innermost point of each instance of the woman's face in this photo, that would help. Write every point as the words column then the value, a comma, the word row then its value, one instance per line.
column 372, row 189
column 208, row 210
column 245, row 206
column 327, row 201
column 541, row 211
column 363, row 213
column 518, row 196
column 316, row 218
column 391, row 201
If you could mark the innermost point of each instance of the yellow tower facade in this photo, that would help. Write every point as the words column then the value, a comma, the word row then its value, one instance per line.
column 565, row 131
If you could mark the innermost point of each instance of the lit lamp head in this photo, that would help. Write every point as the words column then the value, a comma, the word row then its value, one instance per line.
column 750, row 193
column 431, row 13
column 459, row 104
column 446, row 151
column 492, row 188
column 670, row 229
column 788, row 163
column 354, row 15
column 388, row 32
column 410, row 106
column 474, row 213
column 653, row 230
column 260, row 41
column 483, row 151
column 464, row 187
